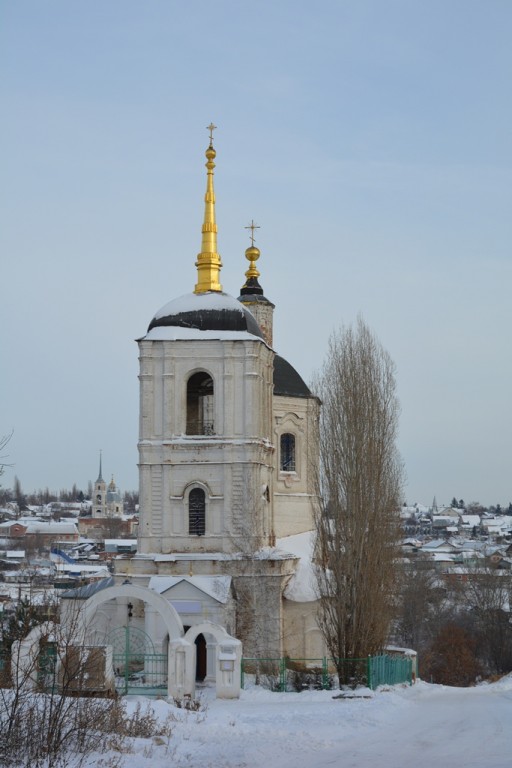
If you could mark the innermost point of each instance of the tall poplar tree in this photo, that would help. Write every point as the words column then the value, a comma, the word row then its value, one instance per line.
column 359, row 487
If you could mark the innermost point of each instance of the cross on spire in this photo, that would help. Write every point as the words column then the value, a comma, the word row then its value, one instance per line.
column 211, row 128
column 252, row 226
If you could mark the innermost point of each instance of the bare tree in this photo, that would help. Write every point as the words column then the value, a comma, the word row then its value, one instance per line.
column 424, row 604
column 130, row 501
column 254, row 591
column 359, row 484
column 452, row 658
column 488, row 592
column 5, row 495
column 4, row 440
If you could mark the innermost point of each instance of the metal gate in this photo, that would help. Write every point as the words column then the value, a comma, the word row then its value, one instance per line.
column 137, row 668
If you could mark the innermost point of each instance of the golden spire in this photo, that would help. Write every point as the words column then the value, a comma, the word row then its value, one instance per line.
column 208, row 261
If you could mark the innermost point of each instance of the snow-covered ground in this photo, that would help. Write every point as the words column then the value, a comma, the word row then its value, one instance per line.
column 423, row 726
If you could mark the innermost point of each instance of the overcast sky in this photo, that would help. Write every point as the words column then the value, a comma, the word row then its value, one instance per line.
column 370, row 140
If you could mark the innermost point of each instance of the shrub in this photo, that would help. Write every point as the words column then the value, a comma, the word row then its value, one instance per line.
column 451, row 658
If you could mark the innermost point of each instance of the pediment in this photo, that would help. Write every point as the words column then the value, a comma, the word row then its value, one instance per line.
column 216, row 588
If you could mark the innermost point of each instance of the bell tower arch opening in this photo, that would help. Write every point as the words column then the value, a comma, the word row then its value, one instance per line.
column 200, row 402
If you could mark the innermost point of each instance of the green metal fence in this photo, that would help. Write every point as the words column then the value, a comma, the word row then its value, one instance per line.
column 285, row 674
column 5, row 669
column 389, row 670
column 137, row 667
column 47, row 666
column 140, row 673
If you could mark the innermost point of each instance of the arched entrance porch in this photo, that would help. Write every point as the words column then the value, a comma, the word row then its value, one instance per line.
column 143, row 631
column 77, row 632
column 227, row 656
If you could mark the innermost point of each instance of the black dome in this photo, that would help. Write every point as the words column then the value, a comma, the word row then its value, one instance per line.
column 212, row 311
column 287, row 381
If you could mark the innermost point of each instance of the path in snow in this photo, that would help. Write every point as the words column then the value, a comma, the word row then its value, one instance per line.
column 424, row 727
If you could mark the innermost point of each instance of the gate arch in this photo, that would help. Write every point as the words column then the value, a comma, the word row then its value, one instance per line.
column 228, row 657
column 169, row 614
column 209, row 628
column 173, row 627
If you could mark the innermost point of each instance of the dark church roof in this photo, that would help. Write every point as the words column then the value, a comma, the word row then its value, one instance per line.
column 216, row 311
column 87, row 591
column 287, row 381
column 211, row 311
column 252, row 292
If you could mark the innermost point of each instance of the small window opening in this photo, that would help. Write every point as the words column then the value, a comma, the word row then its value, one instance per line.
column 287, row 452
column 197, row 512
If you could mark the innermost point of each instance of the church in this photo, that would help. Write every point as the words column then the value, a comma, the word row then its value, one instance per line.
column 228, row 440
column 107, row 500
column 227, row 436
column 225, row 488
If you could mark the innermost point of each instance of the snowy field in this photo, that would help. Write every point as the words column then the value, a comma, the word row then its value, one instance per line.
column 423, row 726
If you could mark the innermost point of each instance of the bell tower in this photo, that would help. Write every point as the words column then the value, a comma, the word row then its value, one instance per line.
column 99, row 494
column 205, row 442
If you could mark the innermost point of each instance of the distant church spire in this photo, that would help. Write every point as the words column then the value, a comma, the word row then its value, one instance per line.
column 208, row 261
column 100, row 478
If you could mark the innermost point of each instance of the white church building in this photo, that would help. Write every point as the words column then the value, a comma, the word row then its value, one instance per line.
column 225, row 430
column 225, row 434
column 107, row 500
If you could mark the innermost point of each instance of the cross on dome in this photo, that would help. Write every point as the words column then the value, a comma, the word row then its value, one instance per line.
column 252, row 226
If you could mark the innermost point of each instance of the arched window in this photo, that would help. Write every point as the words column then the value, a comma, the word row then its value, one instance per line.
column 200, row 405
column 196, row 512
column 287, row 452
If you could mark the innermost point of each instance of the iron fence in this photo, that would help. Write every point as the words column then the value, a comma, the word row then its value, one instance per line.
column 389, row 670
column 286, row 674
column 143, row 673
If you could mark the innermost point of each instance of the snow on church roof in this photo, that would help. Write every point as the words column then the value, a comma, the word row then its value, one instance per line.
column 192, row 302
column 173, row 333
column 302, row 586
column 193, row 315
column 214, row 586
